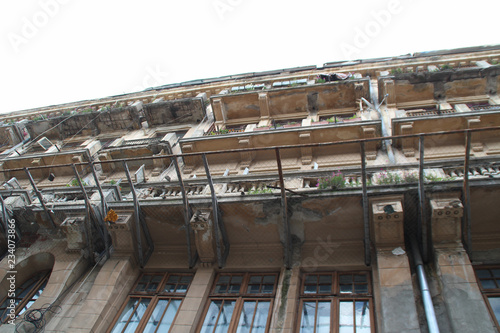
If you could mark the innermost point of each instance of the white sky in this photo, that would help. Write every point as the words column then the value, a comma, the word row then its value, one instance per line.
column 57, row 51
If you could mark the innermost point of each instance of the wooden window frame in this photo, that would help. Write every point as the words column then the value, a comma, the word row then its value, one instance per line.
column 155, row 297
column 240, row 298
column 43, row 277
column 486, row 292
column 334, row 297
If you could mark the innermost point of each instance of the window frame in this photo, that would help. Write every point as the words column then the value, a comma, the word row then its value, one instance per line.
column 42, row 278
column 155, row 297
column 335, row 297
column 240, row 298
column 486, row 292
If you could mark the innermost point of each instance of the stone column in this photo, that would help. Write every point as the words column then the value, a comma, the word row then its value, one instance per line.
column 465, row 305
column 392, row 282
column 192, row 308
column 285, row 311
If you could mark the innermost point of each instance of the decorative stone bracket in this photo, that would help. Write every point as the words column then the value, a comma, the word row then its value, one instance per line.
column 446, row 220
column 387, row 221
column 203, row 226
column 121, row 233
column 74, row 229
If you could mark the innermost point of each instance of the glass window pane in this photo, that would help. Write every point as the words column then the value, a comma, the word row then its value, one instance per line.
column 169, row 288
column 223, row 279
column 163, row 324
column 269, row 279
column 345, row 279
column 186, row 279
column 323, row 318
column 325, row 289
column 246, row 317
column 325, row 279
column 237, row 279
column 483, row 273
column 134, row 310
column 253, row 288
column 218, row 321
column 495, row 306
column 307, row 317
column 362, row 317
column 173, row 279
column 261, row 315
column 346, row 317
column 346, row 289
column 361, row 288
column 267, row 288
column 221, row 288
column 156, row 316
column 311, row 279
column 488, row 284
column 310, row 289
column 181, row 288
column 360, row 278
column 234, row 289
column 255, row 279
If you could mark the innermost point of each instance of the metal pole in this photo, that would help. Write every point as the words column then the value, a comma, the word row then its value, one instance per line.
column 467, row 221
column 421, row 197
column 104, row 209
column 286, row 228
column 88, row 229
column 40, row 198
column 187, row 213
column 218, row 224
column 137, row 216
column 366, row 218
column 4, row 217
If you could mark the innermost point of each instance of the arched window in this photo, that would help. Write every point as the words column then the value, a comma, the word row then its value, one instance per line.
column 25, row 295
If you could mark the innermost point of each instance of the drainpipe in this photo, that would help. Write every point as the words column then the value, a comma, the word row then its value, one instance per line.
column 430, row 314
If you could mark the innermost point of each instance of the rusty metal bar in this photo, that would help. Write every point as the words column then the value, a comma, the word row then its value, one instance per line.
column 40, row 198
column 137, row 216
column 88, row 207
column 4, row 217
column 421, row 199
column 366, row 216
column 286, row 226
column 466, row 220
column 104, row 209
column 323, row 144
column 187, row 214
column 221, row 258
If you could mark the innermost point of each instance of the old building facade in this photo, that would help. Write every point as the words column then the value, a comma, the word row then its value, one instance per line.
column 356, row 197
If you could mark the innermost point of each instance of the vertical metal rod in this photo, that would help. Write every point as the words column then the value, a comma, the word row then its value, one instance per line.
column 215, row 208
column 286, row 228
column 187, row 212
column 88, row 229
column 421, row 198
column 366, row 218
column 137, row 216
column 104, row 209
column 40, row 198
column 467, row 221
column 5, row 227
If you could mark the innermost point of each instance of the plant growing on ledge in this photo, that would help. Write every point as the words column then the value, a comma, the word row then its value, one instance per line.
column 320, row 80
column 335, row 181
column 395, row 71
column 445, row 67
column 260, row 191
column 74, row 182
column 393, row 178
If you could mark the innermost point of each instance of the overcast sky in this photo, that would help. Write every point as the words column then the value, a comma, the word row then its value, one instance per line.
column 57, row 51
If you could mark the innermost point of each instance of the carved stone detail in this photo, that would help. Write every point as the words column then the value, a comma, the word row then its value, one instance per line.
column 446, row 219
column 387, row 221
column 203, row 227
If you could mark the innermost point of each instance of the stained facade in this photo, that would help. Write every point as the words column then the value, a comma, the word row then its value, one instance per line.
column 357, row 197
